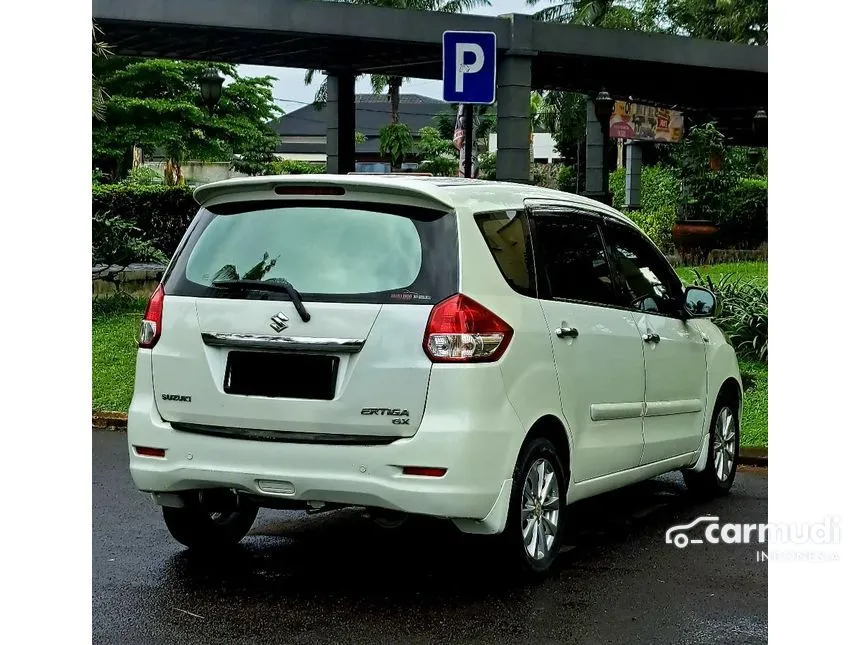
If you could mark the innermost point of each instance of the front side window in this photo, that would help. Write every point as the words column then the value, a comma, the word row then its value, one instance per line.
column 647, row 281
column 573, row 259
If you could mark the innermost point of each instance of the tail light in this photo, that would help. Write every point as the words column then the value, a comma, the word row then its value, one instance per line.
column 150, row 326
column 461, row 330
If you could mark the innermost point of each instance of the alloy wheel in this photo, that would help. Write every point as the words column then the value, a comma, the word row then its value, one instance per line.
column 724, row 445
column 540, row 509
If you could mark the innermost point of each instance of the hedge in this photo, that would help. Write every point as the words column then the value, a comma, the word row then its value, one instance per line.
column 659, row 190
column 160, row 213
column 741, row 217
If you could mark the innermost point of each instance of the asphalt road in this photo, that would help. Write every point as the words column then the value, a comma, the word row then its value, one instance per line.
column 336, row 578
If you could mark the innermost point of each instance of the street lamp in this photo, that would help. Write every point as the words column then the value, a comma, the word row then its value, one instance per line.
column 760, row 125
column 210, row 88
column 603, row 105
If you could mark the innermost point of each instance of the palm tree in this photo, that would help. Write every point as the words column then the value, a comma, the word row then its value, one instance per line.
column 100, row 50
column 379, row 82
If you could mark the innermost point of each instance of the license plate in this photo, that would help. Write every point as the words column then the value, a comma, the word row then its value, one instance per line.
column 281, row 375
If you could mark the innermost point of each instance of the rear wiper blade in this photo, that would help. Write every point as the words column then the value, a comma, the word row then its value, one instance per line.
column 266, row 285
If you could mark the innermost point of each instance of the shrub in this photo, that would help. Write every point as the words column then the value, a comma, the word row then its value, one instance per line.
column 743, row 313
column 546, row 175
column 290, row 167
column 157, row 215
column 659, row 190
column 143, row 176
column 566, row 179
column 743, row 220
column 486, row 166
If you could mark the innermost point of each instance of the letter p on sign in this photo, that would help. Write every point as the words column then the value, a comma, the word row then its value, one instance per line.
column 469, row 67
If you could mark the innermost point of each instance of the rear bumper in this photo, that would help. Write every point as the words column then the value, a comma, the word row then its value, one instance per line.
column 478, row 449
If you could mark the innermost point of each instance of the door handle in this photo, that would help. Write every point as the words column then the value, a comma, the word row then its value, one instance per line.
column 651, row 337
column 566, row 332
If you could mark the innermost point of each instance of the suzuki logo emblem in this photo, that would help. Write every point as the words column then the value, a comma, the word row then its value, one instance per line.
column 279, row 322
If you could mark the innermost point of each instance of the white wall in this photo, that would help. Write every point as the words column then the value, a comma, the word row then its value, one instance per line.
column 544, row 146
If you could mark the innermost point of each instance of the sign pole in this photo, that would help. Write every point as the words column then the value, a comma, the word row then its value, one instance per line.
column 468, row 114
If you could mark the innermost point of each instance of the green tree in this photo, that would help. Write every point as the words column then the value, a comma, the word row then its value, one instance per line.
column 438, row 154
column 740, row 21
column 101, row 50
column 156, row 105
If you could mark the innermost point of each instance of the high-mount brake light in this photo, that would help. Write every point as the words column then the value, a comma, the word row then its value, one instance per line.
column 288, row 189
column 150, row 326
column 460, row 330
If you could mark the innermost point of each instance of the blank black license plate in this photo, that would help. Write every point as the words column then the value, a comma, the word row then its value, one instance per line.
column 288, row 376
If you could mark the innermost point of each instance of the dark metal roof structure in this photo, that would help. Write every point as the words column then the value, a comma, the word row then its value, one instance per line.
column 726, row 81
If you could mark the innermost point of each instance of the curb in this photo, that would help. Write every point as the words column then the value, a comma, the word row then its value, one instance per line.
column 753, row 457
column 110, row 420
column 119, row 421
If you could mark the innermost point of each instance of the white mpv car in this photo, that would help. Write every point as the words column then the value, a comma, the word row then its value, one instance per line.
column 479, row 351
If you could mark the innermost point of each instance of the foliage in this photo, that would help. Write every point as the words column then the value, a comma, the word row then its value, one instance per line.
column 117, row 243
column 743, row 313
column 156, row 105
column 360, row 138
column 142, row 175
column 631, row 15
column 740, row 21
column 100, row 97
column 395, row 142
column 438, row 156
column 743, row 221
column 158, row 215
column 290, row 167
column 546, row 175
column 487, row 166
column 485, row 122
column 566, row 179
column 658, row 195
column 119, row 302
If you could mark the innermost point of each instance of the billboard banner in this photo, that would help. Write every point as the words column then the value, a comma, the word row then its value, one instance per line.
column 645, row 123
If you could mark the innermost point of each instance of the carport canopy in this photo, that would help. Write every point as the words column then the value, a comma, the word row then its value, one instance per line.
column 705, row 79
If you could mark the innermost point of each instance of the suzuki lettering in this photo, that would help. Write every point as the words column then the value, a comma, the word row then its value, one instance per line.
column 469, row 67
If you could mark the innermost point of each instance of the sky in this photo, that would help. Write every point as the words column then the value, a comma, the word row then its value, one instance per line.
column 291, row 93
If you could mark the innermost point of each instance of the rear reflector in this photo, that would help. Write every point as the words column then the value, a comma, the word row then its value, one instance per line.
column 461, row 330
column 145, row 451
column 309, row 190
column 150, row 326
column 423, row 471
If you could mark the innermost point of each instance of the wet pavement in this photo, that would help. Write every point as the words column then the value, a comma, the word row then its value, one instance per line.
column 337, row 578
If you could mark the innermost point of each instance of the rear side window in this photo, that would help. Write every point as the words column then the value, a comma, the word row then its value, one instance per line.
column 505, row 235
column 573, row 258
column 352, row 252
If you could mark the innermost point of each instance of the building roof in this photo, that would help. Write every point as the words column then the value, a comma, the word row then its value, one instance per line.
column 372, row 111
column 450, row 192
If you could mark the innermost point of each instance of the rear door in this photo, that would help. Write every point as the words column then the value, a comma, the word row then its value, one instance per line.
column 239, row 354
column 675, row 369
column 596, row 345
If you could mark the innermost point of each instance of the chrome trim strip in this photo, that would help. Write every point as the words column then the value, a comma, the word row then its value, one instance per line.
column 666, row 408
column 284, row 436
column 284, row 343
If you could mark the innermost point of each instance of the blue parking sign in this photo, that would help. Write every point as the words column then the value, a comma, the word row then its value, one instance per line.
column 469, row 67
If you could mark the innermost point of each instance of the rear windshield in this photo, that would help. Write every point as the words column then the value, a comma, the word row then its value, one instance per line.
column 328, row 251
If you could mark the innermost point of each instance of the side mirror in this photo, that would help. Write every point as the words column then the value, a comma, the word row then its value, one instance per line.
column 699, row 303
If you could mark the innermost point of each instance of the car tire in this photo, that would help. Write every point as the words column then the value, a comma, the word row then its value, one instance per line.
column 201, row 529
column 723, row 448
column 533, row 533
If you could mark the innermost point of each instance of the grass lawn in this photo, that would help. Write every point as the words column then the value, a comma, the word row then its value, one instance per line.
column 752, row 271
column 115, row 348
column 114, row 352
column 754, row 419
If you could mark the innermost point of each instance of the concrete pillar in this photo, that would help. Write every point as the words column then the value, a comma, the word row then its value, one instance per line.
column 340, row 123
column 513, row 88
column 633, row 175
column 594, row 154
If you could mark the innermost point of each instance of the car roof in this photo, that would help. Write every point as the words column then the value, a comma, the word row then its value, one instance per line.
column 455, row 192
